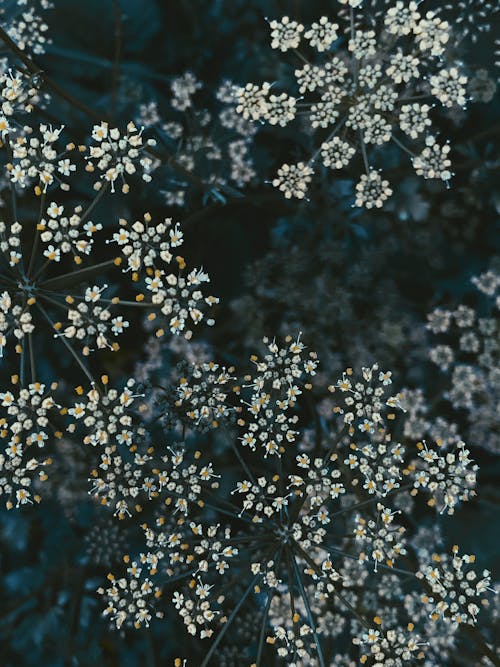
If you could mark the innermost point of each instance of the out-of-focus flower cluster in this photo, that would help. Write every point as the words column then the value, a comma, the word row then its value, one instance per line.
column 213, row 145
column 468, row 353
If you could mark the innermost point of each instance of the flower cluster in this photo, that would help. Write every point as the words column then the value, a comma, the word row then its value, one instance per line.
column 449, row 478
column 169, row 542
column 63, row 235
column 361, row 97
column 309, row 532
column 36, row 160
column 213, row 146
column 393, row 648
column 278, row 381
column 129, row 597
column 25, row 430
column 117, row 154
column 106, row 422
column 18, row 94
column 455, row 588
column 26, row 25
column 148, row 249
column 278, row 510
column 469, row 353
column 77, row 305
column 362, row 403
column 381, row 537
column 205, row 393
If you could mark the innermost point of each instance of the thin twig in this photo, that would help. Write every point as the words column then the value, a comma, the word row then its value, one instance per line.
column 75, row 277
column 69, row 347
column 303, row 594
column 231, row 618
column 262, row 633
column 32, row 67
column 34, row 248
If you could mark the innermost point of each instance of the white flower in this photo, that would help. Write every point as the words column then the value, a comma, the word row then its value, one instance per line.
column 433, row 161
column 285, row 34
column 449, row 86
column 336, row 153
column 372, row 191
column 293, row 180
column 53, row 254
column 100, row 132
column 322, row 34
column 55, row 210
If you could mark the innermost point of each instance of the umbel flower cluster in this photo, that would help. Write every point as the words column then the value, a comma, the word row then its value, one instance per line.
column 299, row 526
column 359, row 90
column 60, row 271
column 52, row 280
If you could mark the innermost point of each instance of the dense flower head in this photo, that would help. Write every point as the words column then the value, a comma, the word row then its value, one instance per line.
column 278, row 380
column 63, row 234
column 105, row 419
column 392, row 648
column 116, row 154
column 433, row 161
column 285, row 34
column 449, row 478
column 149, row 250
column 35, row 160
column 293, row 180
column 128, row 597
column 372, row 190
column 19, row 94
column 455, row 588
column 308, row 532
column 358, row 94
column 362, row 402
column 25, row 430
column 203, row 393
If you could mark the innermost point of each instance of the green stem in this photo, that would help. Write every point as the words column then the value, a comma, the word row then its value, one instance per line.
column 319, row 651
column 75, row 277
column 37, row 236
column 336, row 593
column 66, row 343
column 229, row 621
column 32, row 357
column 370, row 501
column 94, row 203
column 33, row 68
column 262, row 633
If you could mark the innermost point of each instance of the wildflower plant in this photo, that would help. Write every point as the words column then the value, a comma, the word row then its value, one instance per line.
column 41, row 278
column 175, row 481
